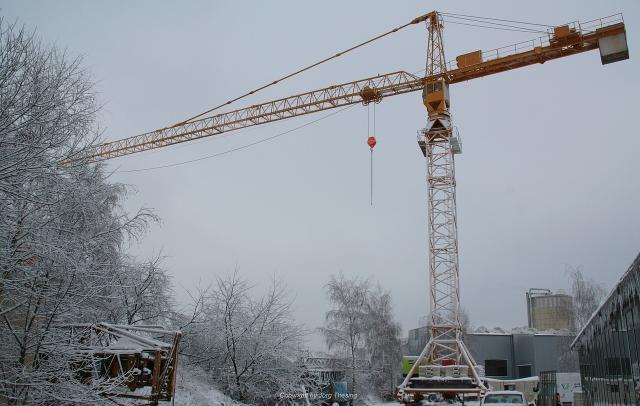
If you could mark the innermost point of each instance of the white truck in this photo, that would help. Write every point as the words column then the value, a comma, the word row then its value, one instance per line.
column 567, row 383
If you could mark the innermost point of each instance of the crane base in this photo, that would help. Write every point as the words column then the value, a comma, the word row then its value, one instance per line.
column 415, row 388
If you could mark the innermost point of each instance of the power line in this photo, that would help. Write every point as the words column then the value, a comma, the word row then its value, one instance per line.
column 237, row 148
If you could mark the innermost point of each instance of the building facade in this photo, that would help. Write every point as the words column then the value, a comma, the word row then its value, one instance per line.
column 510, row 355
column 609, row 346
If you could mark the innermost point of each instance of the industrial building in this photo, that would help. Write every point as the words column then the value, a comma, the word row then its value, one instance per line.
column 609, row 345
column 511, row 355
column 550, row 311
column 525, row 352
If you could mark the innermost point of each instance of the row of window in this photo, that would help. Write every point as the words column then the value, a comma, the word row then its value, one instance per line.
column 609, row 350
column 499, row 368
column 496, row 367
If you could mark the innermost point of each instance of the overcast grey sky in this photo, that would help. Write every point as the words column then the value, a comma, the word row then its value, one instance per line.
column 548, row 176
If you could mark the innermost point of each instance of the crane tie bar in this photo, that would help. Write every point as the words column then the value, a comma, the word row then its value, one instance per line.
column 414, row 21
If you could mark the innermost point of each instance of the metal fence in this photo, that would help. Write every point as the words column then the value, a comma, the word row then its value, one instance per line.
column 548, row 388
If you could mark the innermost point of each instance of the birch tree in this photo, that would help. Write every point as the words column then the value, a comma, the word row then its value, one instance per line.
column 361, row 327
column 383, row 343
column 346, row 323
column 587, row 295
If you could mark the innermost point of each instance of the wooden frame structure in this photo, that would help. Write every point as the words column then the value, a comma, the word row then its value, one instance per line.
column 140, row 361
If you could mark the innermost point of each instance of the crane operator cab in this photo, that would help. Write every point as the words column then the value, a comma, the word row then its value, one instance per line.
column 435, row 96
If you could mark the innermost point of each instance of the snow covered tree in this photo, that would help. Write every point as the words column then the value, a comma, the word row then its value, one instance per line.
column 142, row 294
column 568, row 361
column 361, row 327
column 63, row 229
column 465, row 323
column 345, row 327
column 587, row 295
column 249, row 343
column 383, row 343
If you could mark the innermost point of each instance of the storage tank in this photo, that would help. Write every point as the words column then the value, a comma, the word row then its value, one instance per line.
column 550, row 311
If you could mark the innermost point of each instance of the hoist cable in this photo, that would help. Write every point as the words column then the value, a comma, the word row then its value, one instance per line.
column 371, row 177
column 374, row 119
column 371, row 169
column 368, row 120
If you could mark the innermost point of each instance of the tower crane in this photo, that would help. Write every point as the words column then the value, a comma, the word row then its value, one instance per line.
column 439, row 143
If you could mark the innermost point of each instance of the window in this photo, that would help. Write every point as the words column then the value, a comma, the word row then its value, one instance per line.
column 504, row 398
column 618, row 367
column 434, row 87
column 524, row 371
column 495, row 367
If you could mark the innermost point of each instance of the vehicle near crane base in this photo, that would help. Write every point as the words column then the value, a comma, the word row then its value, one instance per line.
column 505, row 398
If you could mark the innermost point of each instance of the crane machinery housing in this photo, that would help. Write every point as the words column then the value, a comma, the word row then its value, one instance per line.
column 445, row 365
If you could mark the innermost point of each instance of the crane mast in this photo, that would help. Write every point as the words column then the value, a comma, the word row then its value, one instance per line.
column 439, row 145
column 436, row 141
column 439, row 142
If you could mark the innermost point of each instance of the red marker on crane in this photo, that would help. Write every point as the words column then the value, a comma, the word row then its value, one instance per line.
column 371, row 142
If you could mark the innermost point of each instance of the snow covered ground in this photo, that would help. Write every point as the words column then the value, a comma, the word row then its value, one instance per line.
column 194, row 389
